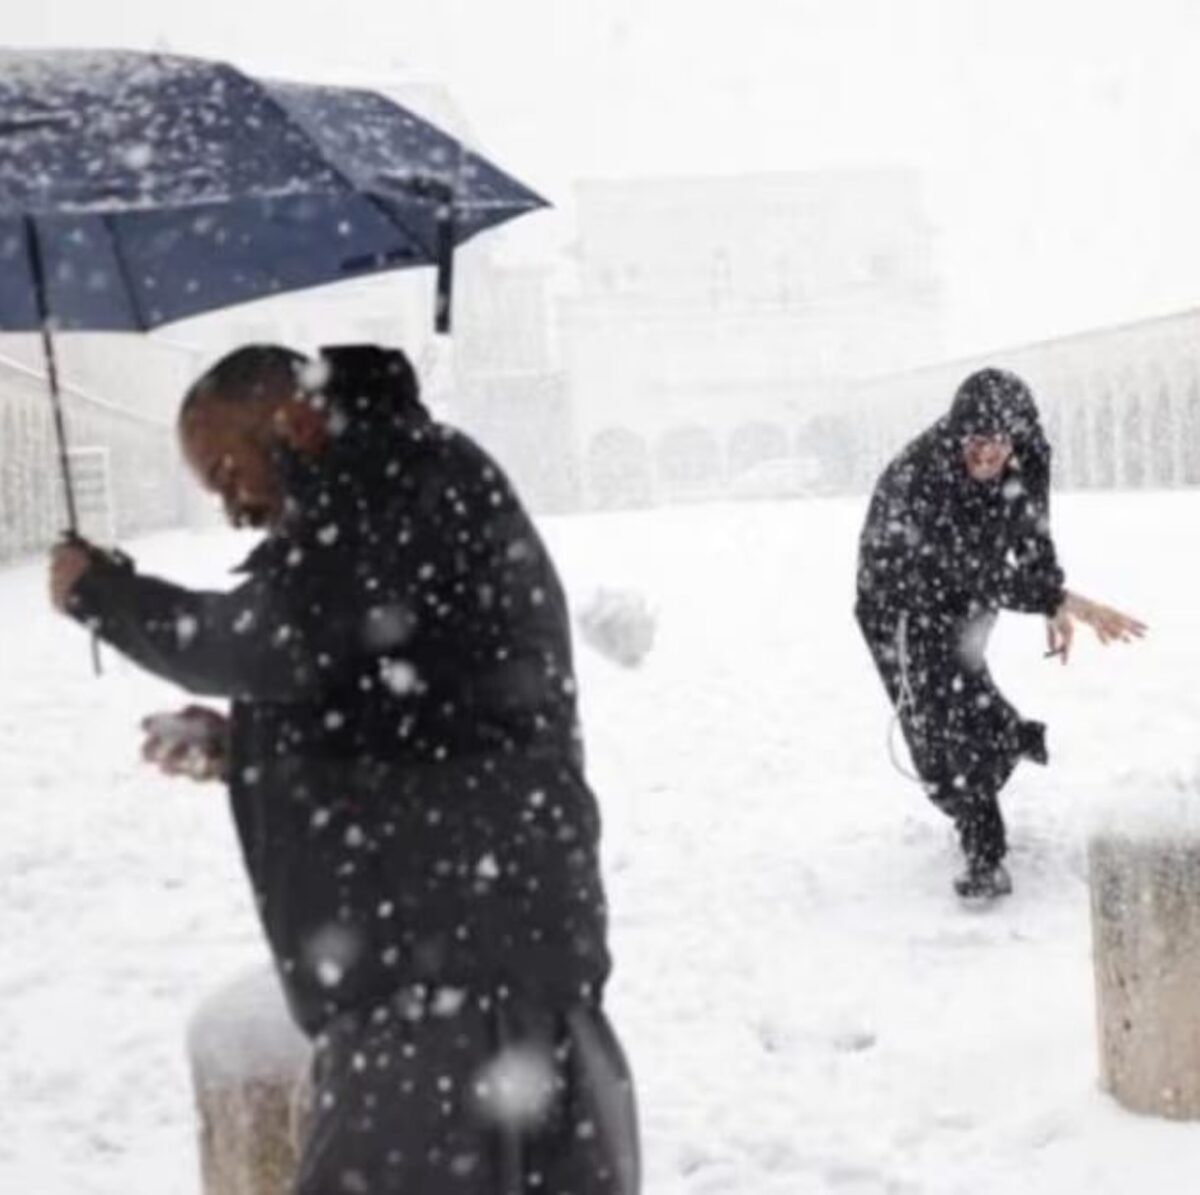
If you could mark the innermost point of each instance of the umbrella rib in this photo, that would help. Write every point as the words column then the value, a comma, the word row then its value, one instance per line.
column 341, row 174
column 393, row 219
column 139, row 316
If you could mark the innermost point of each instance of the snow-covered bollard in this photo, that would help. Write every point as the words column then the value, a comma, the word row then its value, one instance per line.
column 249, row 1070
column 1144, row 865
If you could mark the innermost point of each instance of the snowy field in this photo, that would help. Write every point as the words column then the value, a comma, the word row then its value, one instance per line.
column 807, row 1008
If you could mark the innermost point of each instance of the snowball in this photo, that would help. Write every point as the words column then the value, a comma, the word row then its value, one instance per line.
column 619, row 624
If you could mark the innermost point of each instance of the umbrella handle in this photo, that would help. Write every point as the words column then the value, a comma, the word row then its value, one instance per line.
column 445, row 267
column 73, row 537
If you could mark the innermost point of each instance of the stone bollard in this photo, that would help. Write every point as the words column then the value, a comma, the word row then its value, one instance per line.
column 249, row 1070
column 1145, row 890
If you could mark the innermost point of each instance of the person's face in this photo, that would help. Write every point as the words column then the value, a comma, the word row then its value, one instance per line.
column 986, row 457
column 230, row 447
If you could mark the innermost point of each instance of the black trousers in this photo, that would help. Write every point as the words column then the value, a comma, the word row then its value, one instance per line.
column 964, row 737
column 448, row 1092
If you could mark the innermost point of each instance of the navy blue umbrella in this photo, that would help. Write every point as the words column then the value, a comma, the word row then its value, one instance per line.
column 137, row 189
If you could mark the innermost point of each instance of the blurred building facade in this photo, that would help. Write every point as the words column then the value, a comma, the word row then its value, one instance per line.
column 753, row 336
column 120, row 394
column 719, row 321
column 1121, row 405
column 508, row 390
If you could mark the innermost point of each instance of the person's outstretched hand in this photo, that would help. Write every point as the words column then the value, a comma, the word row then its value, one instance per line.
column 193, row 742
column 1110, row 625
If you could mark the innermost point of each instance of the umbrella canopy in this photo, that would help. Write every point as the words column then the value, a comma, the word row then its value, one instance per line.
column 156, row 187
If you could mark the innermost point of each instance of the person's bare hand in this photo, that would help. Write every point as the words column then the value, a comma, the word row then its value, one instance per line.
column 1110, row 625
column 68, row 562
column 192, row 742
column 1060, row 634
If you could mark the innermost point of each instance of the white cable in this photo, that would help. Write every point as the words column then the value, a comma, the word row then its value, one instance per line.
column 906, row 699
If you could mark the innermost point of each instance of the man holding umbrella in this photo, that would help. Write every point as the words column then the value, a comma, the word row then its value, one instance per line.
column 958, row 529
column 403, row 758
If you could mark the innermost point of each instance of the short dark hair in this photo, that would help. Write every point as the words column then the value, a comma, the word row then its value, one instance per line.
column 252, row 372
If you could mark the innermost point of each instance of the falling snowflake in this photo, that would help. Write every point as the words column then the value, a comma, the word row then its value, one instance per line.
column 516, row 1088
column 399, row 676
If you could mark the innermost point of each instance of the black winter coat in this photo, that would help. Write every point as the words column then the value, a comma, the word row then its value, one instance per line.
column 940, row 554
column 406, row 769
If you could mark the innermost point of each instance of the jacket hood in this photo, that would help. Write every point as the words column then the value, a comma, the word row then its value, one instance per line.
column 369, row 383
column 379, row 425
column 994, row 402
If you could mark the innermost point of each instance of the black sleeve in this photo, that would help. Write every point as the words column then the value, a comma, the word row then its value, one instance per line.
column 1035, row 584
column 1032, row 581
column 258, row 641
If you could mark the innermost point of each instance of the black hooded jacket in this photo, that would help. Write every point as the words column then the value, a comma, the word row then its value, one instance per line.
column 941, row 545
column 406, row 771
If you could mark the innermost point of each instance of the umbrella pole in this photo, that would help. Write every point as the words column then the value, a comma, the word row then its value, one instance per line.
column 60, row 430
column 37, row 265
column 39, row 286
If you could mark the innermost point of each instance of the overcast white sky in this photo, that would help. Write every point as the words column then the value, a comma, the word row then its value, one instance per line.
column 1060, row 138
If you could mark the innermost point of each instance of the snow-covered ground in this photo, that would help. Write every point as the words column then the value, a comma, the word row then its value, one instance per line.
column 807, row 1008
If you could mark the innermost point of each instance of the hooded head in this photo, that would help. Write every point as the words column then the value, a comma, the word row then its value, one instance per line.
column 993, row 418
column 994, row 402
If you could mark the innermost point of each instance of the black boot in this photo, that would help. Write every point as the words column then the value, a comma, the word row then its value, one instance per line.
column 1031, row 742
column 983, row 882
column 984, row 844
